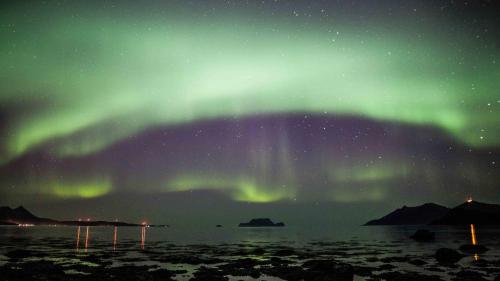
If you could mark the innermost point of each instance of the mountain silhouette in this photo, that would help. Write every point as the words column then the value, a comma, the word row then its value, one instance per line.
column 423, row 214
column 471, row 213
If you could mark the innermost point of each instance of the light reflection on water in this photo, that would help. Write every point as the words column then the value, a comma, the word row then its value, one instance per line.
column 474, row 240
column 115, row 237
column 143, row 236
column 87, row 238
column 78, row 238
column 446, row 236
column 123, row 238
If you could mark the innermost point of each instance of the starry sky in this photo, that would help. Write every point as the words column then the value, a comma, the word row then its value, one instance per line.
column 293, row 109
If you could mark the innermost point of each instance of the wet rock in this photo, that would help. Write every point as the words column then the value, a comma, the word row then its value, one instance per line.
column 19, row 254
column 258, row 252
column 285, row 272
column 278, row 261
column 328, row 270
column 386, row 266
column 394, row 259
column 40, row 270
column 417, row 262
column 447, row 256
column 190, row 259
column 435, row 269
column 241, row 267
column 208, row 274
column 407, row 276
column 363, row 270
column 473, row 249
column 423, row 235
column 468, row 275
column 131, row 273
column 285, row 252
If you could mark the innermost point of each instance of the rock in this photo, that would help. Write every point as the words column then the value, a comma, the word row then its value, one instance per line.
column 407, row 276
column 208, row 274
column 190, row 259
column 423, row 235
column 39, row 270
column 327, row 270
column 285, row 272
column 364, row 271
column 447, row 256
column 473, row 249
column 19, row 254
column 468, row 275
column 241, row 267
column 285, row 252
column 417, row 262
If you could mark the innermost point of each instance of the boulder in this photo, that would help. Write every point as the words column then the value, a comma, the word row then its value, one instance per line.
column 447, row 256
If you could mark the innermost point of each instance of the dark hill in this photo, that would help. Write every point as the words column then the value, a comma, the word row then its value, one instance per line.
column 20, row 215
column 471, row 213
column 423, row 214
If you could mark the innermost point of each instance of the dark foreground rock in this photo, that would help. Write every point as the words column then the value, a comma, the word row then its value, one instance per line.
column 327, row 270
column 407, row 276
column 208, row 274
column 423, row 235
column 447, row 256
column 312, row 270
column 241, row 267
column 468, row 275
column 48, row 271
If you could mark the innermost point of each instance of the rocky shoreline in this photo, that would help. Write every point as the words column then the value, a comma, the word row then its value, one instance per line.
column 317, row 260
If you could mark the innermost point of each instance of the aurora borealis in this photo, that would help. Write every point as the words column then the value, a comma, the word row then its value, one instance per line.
column 267, row 103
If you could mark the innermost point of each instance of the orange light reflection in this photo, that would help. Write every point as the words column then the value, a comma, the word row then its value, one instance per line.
column 143, row 235
column 473, row 234
column 115, row 235
column 78, row 238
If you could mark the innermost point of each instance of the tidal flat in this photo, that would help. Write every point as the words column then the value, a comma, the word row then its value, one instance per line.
column 267, row 256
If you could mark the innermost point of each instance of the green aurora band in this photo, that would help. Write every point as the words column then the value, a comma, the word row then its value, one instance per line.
column 134, row 73
column 79, row 80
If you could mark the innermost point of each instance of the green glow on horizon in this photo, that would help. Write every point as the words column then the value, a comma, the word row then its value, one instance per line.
column 369, row 173
column 239, row 189
column 346, row 194
column 170, row 70
column 80, row 190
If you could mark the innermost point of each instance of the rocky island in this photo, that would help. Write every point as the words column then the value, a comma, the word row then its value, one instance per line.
column 261, row 222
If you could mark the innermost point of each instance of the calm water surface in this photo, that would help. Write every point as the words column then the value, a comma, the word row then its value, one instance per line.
column 363, row 246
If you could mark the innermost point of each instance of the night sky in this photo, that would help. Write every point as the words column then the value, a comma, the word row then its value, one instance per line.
column 219, row 111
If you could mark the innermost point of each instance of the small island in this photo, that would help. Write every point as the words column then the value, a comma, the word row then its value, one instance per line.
column 261, row 222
